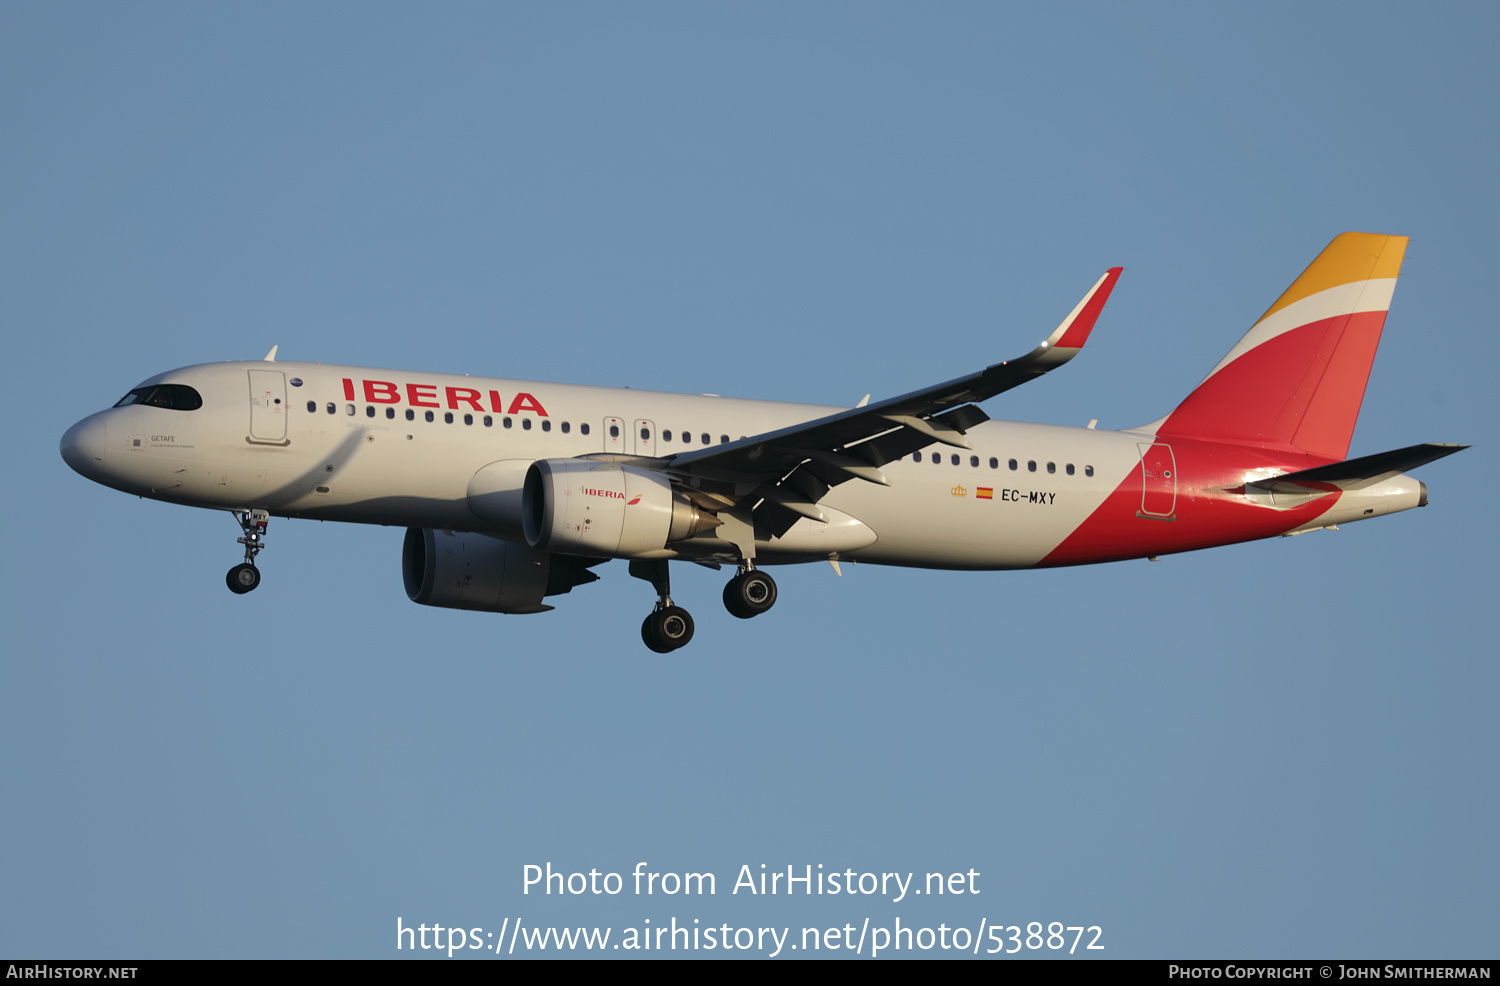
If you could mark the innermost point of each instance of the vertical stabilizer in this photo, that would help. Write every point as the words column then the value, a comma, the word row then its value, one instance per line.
column 1297, row 378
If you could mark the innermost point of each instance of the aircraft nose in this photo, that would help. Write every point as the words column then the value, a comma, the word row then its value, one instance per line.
column 83, row 447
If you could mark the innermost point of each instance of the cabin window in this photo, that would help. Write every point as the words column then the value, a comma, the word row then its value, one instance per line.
column 645, row 434
column 505, row 422
column 1052, row 467
column 546, row 424
column 448, row 417
column 1031, row 465
column 330, row 407
column 666, row 436
column 1012, row 464
column 312, row 407
column 1070, row 469
column 583, row 429
column 916, row 457
column 390, row 412
column 974, row 461
column 723, row 439
column 488, row 421
column 525, row 424
column 614, row 431
column 468, row 419
column 566, row 427
column 994, row 462
column 428, row 415
column 705, row 438
column 1088, row 470
column 369, row 410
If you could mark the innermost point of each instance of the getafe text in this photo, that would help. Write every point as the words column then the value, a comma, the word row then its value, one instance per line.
column 808, row 879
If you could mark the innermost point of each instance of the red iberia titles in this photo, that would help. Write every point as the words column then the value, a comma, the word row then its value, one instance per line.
column 453, row 398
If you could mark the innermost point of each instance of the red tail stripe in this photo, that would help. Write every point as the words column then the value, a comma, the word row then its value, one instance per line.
column 1301, row 389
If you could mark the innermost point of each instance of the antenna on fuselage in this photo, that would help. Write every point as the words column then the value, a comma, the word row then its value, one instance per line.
column 271, row 356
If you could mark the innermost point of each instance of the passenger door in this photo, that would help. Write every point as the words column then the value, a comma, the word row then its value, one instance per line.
column 1158, row 481
column 268, row 407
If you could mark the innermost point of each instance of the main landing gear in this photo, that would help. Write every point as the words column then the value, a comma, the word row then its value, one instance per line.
column 669, row 626
column 242, row 578
column 750, row 593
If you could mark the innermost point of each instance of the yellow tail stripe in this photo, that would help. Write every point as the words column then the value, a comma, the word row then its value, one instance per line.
column 1350, row 257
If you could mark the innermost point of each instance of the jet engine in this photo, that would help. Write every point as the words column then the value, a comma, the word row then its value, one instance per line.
column 585, row 507
column 473, row 571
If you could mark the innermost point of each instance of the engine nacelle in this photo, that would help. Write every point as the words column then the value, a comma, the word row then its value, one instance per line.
column 495, row 496
column 472, row 571
column 584, row 507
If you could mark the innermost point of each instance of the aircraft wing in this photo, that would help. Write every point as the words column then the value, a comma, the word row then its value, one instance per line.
column 786, row 472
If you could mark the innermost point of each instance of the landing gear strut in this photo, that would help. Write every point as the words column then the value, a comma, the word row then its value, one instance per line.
column 750, row 593
column 242, row 578
column 668, row 627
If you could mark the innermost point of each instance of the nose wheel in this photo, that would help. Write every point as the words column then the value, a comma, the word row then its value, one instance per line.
column 749, row 593
column 245, row 577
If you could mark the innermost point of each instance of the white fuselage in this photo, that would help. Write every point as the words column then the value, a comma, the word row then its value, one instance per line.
column 402, row 448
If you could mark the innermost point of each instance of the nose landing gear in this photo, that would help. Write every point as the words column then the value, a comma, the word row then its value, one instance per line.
column 750, row 593
column 242, row 578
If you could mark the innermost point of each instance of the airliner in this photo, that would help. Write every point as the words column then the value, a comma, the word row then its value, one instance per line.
column 513, row 491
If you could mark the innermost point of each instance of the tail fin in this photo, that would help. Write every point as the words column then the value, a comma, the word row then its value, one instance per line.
column 1297, row 378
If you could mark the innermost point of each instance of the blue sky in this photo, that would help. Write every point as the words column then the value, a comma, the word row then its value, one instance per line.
column 1283, row 749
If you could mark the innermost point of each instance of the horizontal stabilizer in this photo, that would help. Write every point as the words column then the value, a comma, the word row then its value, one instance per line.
column 1366, row 470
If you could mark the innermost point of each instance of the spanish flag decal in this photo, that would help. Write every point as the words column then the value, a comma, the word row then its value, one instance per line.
column 985, row 493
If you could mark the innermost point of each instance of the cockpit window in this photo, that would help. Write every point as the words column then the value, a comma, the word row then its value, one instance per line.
column 174, row 396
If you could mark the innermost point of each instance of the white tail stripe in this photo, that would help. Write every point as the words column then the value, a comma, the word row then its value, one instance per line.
column 1357, row 296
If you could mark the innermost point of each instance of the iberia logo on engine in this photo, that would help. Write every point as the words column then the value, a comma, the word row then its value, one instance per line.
column 610, row 495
